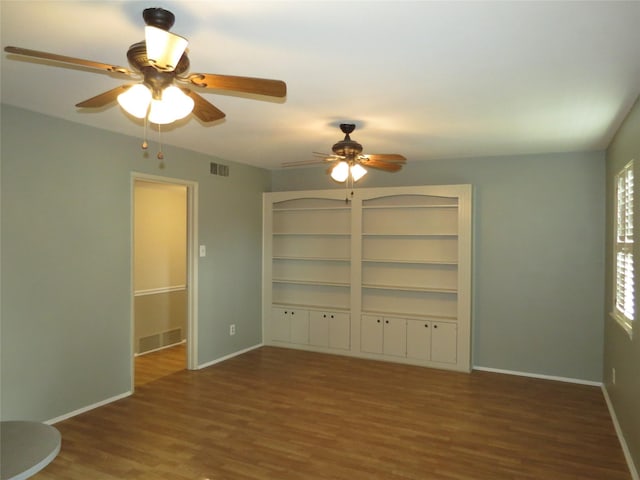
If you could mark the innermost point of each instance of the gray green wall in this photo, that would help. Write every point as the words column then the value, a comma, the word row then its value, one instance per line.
column 538, row 255
column 66, row 260
column 66, row 240
column 620, row 351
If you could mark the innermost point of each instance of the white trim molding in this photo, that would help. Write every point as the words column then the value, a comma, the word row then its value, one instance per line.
column 156, row 291
column 102, row 403
column 164, row 347
column 623, row 442
column 227, row 357
column 536, row 375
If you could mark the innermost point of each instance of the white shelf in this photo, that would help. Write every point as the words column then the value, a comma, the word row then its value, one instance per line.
column 310, row 282
column 313, row 234
column 412, row 316
column 408, row 288
column 308, row 209
column 382, row 234
column 311, row 259
column 404, row 207
column 417, row 262
column 333, row 308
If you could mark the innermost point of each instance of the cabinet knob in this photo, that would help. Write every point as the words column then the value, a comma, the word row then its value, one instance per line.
column 293, row 313
column 426, row 325
column 331, row 316
column 378, row 320
column 435, row 326
column 386, row 321
column 324, row 316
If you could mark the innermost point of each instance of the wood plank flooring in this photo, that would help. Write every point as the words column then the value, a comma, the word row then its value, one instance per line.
column 155, row 365
column 283, row 414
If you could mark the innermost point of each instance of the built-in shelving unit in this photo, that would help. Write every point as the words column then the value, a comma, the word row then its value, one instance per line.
column 386, row 275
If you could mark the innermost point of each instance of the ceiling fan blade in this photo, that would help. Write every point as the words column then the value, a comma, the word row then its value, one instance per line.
column 386, row 157
column 104, row 98
column 388, row 167
column 71, row 60
column 301, row 163
column 260, row 86
column 327, row 156
column 203, row 108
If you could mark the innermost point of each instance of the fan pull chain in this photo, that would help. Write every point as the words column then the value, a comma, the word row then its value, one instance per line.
column 145, row 145
column 346, row 191
column 348, row 181
column 352, row 183
column 160, row 154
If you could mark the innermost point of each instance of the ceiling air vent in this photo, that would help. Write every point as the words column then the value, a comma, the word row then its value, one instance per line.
column 219, row 169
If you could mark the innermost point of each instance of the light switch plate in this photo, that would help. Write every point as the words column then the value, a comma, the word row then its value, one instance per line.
column 203, row 250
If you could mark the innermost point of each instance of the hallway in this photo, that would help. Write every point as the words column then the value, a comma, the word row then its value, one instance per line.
column 155, row 365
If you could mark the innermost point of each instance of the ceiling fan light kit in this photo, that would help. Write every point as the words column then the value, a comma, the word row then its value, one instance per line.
column 172, row 105
column 340, row 172
column 343, row 170
column 357, row 171
column 136, row 100
column 164, row 49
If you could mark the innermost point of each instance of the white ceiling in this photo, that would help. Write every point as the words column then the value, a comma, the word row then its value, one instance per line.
column 424, row 79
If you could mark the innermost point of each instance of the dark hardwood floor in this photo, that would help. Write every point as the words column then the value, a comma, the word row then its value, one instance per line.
column 285, row 414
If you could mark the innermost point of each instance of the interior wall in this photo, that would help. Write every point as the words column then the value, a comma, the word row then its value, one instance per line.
column 66, row 260
column 160, row 236
column 160, row 264
column 538, row 260
column 620, row 351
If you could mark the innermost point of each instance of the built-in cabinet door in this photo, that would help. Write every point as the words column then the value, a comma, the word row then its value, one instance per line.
column 290, row 325
column 299, row 326
column 318, row 329
column 419, row 339
column 395, row 336
column 444, row 342
column 371, row 334
column 280, row 325
column 330, row 329
column 340, row 331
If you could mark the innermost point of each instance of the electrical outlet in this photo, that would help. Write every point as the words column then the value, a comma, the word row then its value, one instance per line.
column 232, row 329
column 613, row 376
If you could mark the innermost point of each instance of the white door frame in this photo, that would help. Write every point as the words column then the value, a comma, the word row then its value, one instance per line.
column 192, row 265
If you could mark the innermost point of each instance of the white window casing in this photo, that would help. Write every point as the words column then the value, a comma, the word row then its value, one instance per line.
column 624, row 288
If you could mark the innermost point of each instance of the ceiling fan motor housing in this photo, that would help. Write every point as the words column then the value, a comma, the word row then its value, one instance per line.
column 347, row 148
column 156, row 80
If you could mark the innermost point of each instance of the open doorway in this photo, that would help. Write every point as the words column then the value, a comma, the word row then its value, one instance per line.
column 163, row 264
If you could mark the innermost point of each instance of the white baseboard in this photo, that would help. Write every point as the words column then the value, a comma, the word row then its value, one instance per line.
column 164, row 347
column 87, row 408
column 227, row 357
column 536, row 375
column 127, row 394
column 623, row 442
